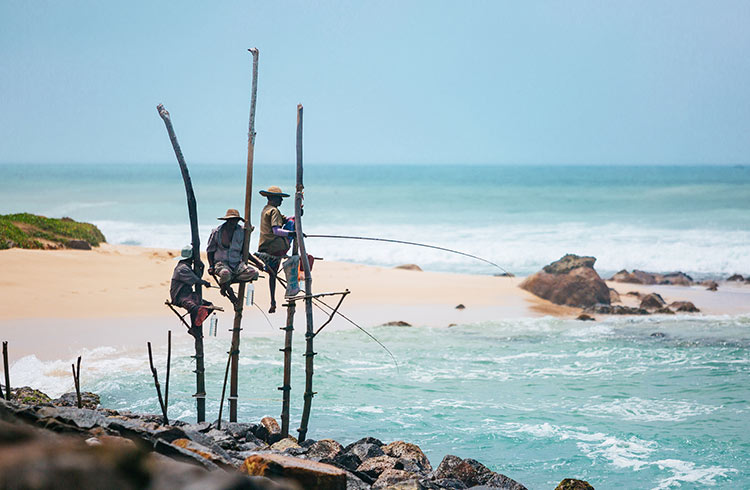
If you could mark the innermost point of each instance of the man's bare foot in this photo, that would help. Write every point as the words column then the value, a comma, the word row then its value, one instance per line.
column 272, row 309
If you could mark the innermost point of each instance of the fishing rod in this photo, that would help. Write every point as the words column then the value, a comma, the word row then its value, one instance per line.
column 404, row 242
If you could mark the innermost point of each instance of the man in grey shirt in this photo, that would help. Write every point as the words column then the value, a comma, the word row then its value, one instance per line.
column 182, row 294
column 224, row 252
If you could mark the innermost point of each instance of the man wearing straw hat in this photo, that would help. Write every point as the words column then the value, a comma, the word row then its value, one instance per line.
column 181, row 291
column 224, row 252
column 275, row 238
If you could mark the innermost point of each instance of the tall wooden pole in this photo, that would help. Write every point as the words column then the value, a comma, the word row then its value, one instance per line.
column 235, row 349
column 286, row 388
column 309, row 332
column 200, row 378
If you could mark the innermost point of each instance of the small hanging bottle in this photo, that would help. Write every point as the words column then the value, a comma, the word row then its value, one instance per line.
column 213, row 325
column 250, row 294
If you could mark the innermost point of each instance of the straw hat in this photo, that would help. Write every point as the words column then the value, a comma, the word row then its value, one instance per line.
column 232, row 214
column 273, row 191
column 185, row 253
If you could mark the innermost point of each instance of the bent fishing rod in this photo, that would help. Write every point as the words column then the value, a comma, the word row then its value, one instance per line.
column 404, row 242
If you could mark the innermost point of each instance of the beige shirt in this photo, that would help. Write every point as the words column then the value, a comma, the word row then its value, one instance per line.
column 268, row 242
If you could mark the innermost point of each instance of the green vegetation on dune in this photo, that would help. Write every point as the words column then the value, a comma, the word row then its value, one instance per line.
column 25, row 230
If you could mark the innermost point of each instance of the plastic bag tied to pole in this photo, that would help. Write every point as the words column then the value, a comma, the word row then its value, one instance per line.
column 291, row 267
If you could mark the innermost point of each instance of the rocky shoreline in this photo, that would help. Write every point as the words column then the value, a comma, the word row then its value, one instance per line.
column 48, row 443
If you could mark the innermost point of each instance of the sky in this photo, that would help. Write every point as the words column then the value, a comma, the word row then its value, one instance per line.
column 433, row 82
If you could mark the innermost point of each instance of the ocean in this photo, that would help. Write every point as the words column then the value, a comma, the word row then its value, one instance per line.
column 536, row 399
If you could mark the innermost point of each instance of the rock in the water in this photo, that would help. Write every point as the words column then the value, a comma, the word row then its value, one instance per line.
column 27, row 395
column 78, row 245
column 736, row 277
column 410, row 452
column 409, row 267
column 663, row 311
column 686, row 306
column 710, row 285
column 653, row 300
column 658, row 335
column 585, row 318
column 570, row 281
column 616, row 310
column 397, row 323
column 572, row 484
column 473, row 473
column 460, row 306
column 88, row 400
column 634, row 293
column 392, row 477
column 649, row 278
column 614, row 296
column 675, row 279
column 311, row 475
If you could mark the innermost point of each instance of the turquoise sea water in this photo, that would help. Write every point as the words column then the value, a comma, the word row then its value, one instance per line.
column 536, row 399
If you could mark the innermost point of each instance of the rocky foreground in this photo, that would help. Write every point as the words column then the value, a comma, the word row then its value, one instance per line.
column 50, row 444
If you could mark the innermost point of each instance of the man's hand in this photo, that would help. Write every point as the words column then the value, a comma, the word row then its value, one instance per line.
column 211, row 270
column 206, row 284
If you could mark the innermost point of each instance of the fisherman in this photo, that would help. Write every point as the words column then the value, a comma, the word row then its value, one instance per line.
column 276, row 235
column 182, row 294
column 225, row 254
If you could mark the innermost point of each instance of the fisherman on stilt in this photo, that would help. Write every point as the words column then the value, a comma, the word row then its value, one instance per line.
column 182, row 294
column 276, row 235
column 224, row 252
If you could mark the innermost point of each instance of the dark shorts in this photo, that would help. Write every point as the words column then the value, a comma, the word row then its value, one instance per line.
column 272, row 261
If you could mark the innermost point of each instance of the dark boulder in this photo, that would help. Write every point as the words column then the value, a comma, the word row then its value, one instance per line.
column 325, row 451
column 373, row 467
column 570, row 281
column 88, row 400
column 397, row 323
column 572, row 484
column 409, row 452
column 664, row 310
column 685, row 306
column 675, row 279
column 460, row 306
column 736, row 277
column 268, row 430
column 652, row 301
column 585, row 318
column 409, row 267
column 710, row 285
column 473, row 473
column 389, row 478
column 78, row 245
column 616, row 310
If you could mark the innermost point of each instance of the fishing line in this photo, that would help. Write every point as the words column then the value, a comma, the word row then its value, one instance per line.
column 404, row 242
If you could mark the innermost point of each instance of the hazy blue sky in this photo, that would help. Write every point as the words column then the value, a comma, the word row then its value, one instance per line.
column 382, row 82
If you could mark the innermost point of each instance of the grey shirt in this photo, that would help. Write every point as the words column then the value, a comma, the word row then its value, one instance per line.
column 232, row 256
column 183, row 279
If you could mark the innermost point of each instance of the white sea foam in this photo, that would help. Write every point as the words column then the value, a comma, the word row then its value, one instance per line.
column 642, row 410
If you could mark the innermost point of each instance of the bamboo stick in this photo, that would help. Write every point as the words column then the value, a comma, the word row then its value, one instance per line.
column 169, row 365
column 156, row 383
column 224, row 389
column 309, row 334
column 7, row 372
column 77, row 381
column 200, row 375
column 237, row 327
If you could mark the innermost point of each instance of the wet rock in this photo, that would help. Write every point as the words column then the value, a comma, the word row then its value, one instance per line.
column 409, row 452
column 409, row 267
column 203, row 451
column 736, row 277
column 451, row 483
column 570, row 281
column 684, row 306
column 710, row 285
column 614, row 296
column 651, row 301
column 617, row 310
column 285, row 444
column 658, row 335
column 268, row 430
column 355, row 483
column 355, row 453
column 473, row 473
column 81, row 418
column 572, row 484
column 373, row 467
column 460, row 306
column 392, row 477
column 663, row 311
column 502, row 481
column 78, row 245
column 649, row 278
column 585, row 318
column 88, row 400
column 223, row 439
column 199, row 427
column 27, row 395
column 634, row 293
column 397, row 323
column 675, row 279
column 325, row 451
column 311, row 475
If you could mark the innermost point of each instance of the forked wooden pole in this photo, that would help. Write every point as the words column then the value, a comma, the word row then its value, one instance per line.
column 156, row 383
column 77, row 381
column 7, row 372
column 200, row 375
column 309, row 333
column 237, row 327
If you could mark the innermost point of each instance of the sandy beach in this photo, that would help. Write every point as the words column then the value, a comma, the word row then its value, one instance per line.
column 114, row 296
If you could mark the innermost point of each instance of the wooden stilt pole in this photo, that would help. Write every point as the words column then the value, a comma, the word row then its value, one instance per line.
column 309, row 333
column 7, row 372
column 224, row 389
column 235, row 349
column 200, row 375
column 156, row 383
column 286, row 387
column 169, row 366
column 77, row 381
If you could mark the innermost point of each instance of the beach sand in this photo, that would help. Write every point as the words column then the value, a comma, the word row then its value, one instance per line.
column 57, row 302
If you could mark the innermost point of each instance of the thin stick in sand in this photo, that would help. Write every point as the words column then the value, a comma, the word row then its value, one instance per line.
column 156, row 383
